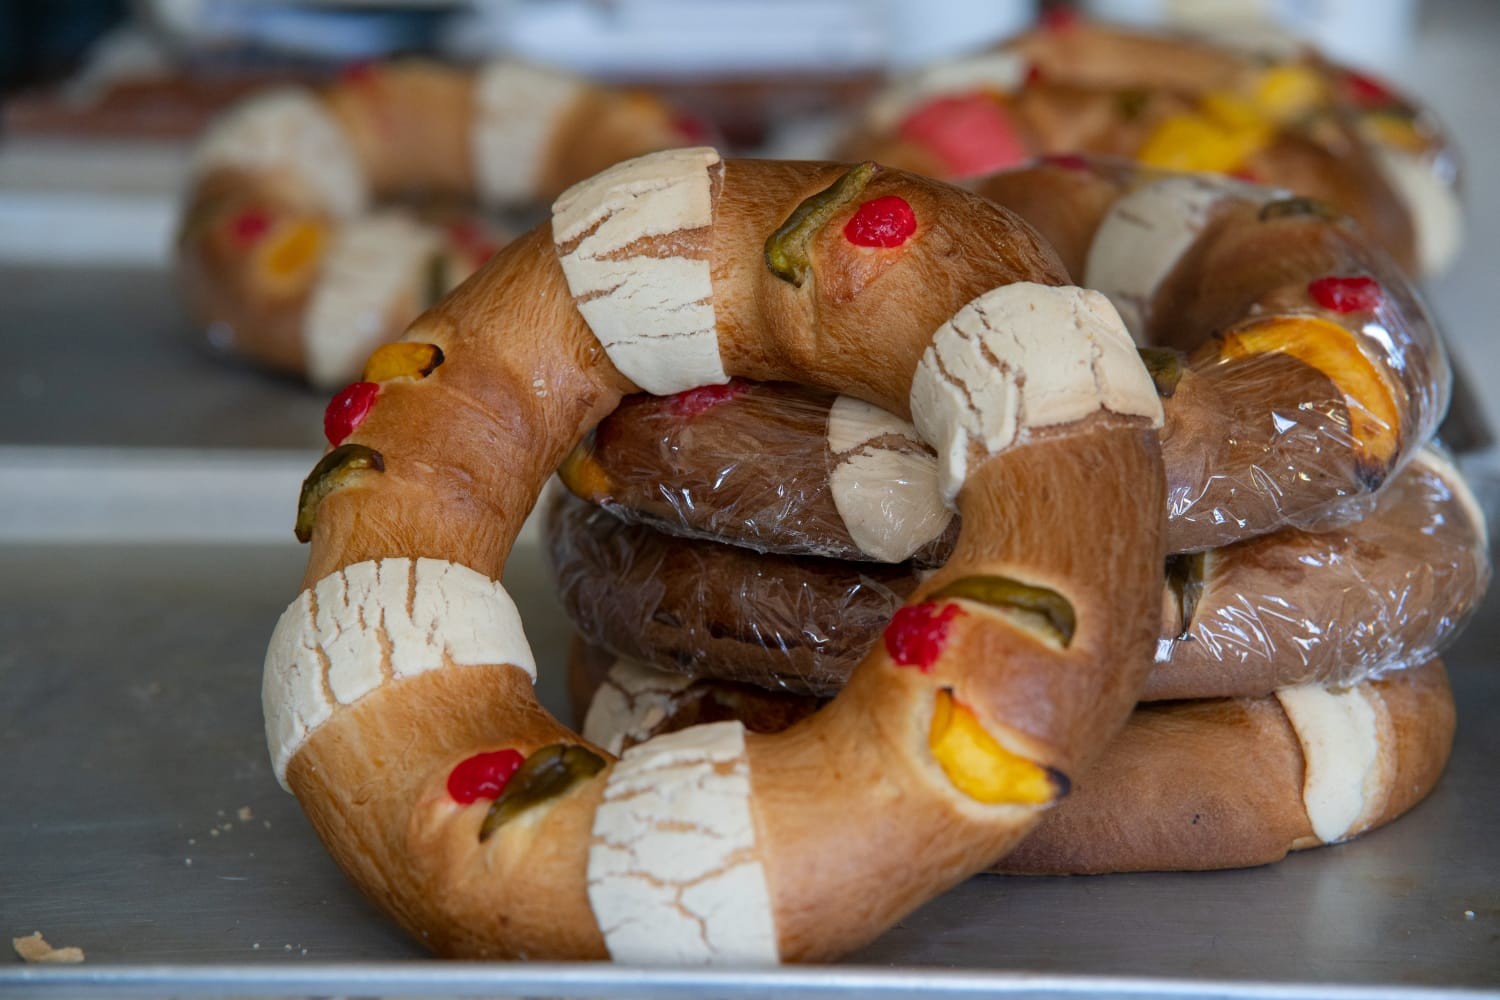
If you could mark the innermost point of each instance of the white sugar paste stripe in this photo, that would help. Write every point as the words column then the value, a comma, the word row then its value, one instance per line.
column 998, row 72
column 1145, row 234
column 393, row 618
column 1432, row 204
column 631, row 702
column 1340, row 736
column 1441, row 466
column 654, row 316
column 288, row 130
column 373, row 262
column 887, row 498
column 517, row 108
column 1020, row 356
column 674, row 876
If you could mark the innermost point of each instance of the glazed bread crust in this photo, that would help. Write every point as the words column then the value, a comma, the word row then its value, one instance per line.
column 412, row 517
column 1186, row 786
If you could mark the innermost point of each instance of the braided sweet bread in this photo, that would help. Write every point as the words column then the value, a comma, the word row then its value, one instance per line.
column 1289, row 119
column 286, row 251
column 397, row 686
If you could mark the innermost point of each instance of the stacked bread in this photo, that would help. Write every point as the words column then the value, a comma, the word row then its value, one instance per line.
column 733, row 551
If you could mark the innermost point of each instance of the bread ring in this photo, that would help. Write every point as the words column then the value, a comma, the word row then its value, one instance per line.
column 1187, row 785
column 1292, row 607
column 1289, row 119
column 284, row 259
column 399, row 681
column 1312, row 373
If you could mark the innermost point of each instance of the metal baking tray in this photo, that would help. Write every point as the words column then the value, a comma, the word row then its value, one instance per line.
column 141, row 822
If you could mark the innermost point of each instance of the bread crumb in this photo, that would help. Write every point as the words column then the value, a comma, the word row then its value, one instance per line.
column 245, row 814
column 34, row 948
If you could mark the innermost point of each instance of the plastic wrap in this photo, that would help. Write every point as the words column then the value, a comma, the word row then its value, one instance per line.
column 1293, row 607
column 1298, row 370
column 698, row 607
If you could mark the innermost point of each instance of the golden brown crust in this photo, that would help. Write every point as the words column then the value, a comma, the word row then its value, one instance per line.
column 465, row 451
column 1187, row 785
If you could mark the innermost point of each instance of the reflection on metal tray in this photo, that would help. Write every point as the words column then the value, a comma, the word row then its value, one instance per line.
column 141, row 823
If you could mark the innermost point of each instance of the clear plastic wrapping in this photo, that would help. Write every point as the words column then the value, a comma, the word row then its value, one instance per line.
column 1298, row 369
column 1292, row 607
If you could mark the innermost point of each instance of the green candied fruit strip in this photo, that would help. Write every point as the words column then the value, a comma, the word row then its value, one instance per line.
column 786, row 248
column 1185, row 573
column 331, row 472
column 437, row 278
column 547, row 773
column 1051, row 610
column 1289, row 208
column 1165, row 367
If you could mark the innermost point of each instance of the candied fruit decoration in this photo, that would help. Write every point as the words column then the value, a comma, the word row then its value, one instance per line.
column 334, row 470
column 787, row 248
column 582, row 474
column 347, row 410
column 693, row 129
column 693, row 402
column 1286, row 93
column 360, row 73
column 1164, row 365
column 1066, row 161
column 1346, row 295
column 1291, row 208
column 979, row 766
column 1060, row 18
column 295, row 249
column 1210, row 143
column 881, row 222
column 1037, row 608
column 403, row 359
column 971, row 135
column 1366, row 91
column 483, row 776
column 1374, row 417
column 250, row 226
column 548, row 773
column 917, row 634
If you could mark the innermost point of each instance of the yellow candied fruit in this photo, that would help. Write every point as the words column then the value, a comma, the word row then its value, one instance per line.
column 294, row 248
column 1374, row 418
column 582, row 474
column 1200, row 143
column 977, row 765
column 1393, row 130
column 1285, row 93
column 1231, row 111
column 403, row 359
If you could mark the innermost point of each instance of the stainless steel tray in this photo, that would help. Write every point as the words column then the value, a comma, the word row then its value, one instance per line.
column 141, row 822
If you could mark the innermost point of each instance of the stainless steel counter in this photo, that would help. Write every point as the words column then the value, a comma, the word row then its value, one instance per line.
column 141, row 823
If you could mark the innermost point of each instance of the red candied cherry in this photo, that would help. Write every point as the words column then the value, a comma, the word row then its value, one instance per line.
column 1066, row 161
column 348, row 410
column 1366, row 91
column 1060, row 18
column 1033, row 76
column 692, row 128
column 695, row 401
column 360, row 73
column 1346, row 295
column 882, row 222
column 484, row 775
column 249, row 226
column 918, row 632
column 971, row 135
